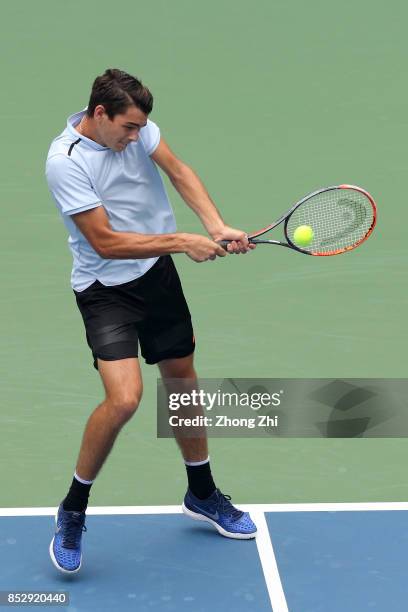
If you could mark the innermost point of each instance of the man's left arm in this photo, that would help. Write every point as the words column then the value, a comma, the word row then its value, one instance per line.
column 193, row 192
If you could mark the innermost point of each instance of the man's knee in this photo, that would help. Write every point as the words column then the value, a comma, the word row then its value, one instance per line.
column 125, row 404
column 123, row 387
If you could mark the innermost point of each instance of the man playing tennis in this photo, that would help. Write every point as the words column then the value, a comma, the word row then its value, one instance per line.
column 102, row 173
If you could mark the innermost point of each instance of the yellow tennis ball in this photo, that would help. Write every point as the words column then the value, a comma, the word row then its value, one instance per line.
column 303, row 235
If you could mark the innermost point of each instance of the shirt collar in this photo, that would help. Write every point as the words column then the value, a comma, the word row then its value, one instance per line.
column 72, row 121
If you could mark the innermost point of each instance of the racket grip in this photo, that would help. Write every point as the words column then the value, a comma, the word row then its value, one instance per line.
column 223, row 243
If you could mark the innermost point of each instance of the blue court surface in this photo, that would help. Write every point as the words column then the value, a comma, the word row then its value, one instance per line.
column 306, row 557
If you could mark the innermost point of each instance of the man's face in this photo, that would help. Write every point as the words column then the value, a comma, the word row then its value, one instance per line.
column 122, row 129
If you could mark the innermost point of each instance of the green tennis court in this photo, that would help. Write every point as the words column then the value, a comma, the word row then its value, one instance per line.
column 267, row 102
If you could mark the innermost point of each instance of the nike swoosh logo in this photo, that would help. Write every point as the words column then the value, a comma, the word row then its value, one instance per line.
column 214, row 516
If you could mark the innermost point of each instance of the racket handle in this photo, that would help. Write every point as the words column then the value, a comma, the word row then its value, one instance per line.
column 225, row 243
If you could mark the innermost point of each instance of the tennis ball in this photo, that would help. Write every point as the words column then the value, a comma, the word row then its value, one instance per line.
column 303, row 235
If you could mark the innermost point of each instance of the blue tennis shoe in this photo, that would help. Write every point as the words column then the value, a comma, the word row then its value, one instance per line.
column 218, row 510
column 65, row 547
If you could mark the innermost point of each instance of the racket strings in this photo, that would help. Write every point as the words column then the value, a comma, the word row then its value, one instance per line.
column 339, row 218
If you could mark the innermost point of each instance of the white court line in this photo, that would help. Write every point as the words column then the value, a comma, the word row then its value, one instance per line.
column 95, row 510
column 320, row 507
column 268, row 562
column 327, row 507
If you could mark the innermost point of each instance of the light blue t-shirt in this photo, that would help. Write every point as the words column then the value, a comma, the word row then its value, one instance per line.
column 83, row 174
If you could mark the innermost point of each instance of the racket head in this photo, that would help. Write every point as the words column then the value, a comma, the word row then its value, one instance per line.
column 341, row 217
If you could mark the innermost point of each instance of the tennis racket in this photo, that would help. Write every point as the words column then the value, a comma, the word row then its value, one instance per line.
column 341, row 218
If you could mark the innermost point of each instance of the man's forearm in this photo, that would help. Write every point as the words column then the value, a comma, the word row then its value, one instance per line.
column 130, row 245
column 196, row 196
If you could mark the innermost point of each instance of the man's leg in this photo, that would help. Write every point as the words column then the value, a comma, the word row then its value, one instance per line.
column 203, row 501
column 123, row 387
column 193, row 449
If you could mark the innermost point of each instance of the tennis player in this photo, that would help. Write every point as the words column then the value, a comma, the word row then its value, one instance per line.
column 102, row 173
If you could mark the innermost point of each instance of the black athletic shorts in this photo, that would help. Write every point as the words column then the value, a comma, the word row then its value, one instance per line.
column 150, row 310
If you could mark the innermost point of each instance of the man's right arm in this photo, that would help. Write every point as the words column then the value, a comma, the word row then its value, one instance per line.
column 95, row 226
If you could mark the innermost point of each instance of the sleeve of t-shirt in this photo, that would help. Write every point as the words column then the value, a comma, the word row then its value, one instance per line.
column 150, row 136
column 70, row 186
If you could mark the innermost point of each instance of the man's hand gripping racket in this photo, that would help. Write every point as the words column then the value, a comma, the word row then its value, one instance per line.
column 329, row 221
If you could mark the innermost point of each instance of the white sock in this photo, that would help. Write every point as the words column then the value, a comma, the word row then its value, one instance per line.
column 195, row 463
column 79, row 479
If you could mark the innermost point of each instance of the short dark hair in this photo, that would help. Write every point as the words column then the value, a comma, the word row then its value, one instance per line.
column 116, row 91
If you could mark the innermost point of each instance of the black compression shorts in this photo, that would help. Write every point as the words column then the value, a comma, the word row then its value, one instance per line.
column 150, row 310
